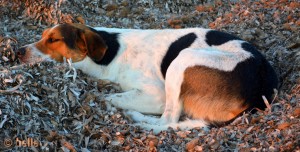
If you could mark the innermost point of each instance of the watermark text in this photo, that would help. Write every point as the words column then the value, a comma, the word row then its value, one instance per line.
column 27, row 142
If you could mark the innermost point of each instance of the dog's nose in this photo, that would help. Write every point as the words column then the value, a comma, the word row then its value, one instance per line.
column 21, row 51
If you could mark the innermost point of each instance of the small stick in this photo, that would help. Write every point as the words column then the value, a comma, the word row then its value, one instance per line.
column 266, row 102
column 13, row 89
column 275, row 95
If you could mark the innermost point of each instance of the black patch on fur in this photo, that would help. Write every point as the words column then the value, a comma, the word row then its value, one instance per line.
column 113, row 46
column 218, row 38
column 266, row 82
column 174, row 49
column 70, row 35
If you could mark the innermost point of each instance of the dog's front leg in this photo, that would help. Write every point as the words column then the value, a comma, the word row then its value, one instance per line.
column 137, row 100
column 170, row 114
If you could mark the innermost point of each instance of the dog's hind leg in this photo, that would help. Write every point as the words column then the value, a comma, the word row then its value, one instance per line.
column 171, row 113
column 174, row 105
column 173, row 81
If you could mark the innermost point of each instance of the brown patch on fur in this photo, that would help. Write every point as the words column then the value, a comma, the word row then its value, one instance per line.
column 211, row 95
column 56, row 42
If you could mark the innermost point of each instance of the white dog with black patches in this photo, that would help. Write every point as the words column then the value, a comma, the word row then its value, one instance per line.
column 210, row 76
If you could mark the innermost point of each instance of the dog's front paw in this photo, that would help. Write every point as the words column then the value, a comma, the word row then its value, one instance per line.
column 141, row 118
column 155, row 128
column 134, row 115
column 113, row 100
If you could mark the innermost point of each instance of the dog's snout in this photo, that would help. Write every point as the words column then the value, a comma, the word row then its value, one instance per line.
column 21, row 51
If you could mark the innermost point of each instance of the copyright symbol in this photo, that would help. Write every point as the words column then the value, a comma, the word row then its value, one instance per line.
column 8, row 142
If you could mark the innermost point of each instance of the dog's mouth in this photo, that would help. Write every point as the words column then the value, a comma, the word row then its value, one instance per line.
column 31, row 60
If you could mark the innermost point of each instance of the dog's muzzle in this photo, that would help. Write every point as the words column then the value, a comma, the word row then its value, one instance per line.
column 21, row 53
column 29, row 54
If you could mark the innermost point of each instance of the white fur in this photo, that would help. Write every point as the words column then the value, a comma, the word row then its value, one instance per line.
column 137, row 68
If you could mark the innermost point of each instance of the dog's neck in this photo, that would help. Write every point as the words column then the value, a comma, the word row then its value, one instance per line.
column 88, row 66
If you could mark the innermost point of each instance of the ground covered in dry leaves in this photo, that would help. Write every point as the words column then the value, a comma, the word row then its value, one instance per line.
column 63, row 110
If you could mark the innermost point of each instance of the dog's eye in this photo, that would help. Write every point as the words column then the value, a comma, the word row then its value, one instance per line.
column 51, row 40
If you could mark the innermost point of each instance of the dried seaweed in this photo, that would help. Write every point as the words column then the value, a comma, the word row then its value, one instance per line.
column 64, row 110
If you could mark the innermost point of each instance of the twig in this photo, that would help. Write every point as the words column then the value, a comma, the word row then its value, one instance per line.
column 266, row 102
column 8, row 37
column 245, row 118
column 275, row 95
column 18, row 78
column 3, row 121
column 17, row 67
column 13, row 89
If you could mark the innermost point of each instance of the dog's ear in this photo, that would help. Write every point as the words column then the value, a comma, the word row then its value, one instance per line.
column 93, row 44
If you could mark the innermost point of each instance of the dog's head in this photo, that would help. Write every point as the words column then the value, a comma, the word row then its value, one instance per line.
column 70, row 41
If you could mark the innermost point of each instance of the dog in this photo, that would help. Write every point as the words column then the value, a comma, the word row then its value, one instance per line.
column 209, row 76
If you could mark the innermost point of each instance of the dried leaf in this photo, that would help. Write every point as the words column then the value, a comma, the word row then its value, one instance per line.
column 283, row 125
column 67, row 145
column 191, row 144
column 296, row 112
